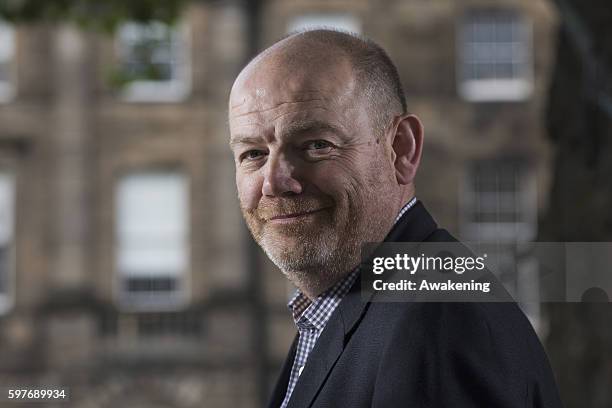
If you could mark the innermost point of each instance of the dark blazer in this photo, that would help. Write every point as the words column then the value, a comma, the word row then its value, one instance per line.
column 410, row 354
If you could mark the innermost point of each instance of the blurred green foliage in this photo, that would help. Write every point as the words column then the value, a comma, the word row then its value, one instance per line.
column 103, row 15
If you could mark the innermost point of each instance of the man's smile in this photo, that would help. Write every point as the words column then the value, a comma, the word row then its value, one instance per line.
column 291, row 217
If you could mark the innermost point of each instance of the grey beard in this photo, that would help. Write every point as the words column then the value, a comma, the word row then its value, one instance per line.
column 320, row 264
column 318, row 268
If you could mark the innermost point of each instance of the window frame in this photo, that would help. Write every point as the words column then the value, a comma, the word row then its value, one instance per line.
column 498, row 89
column 180, row 295
column 164, row 91
column 8, row 88
column 525, row 204
column 7, row 298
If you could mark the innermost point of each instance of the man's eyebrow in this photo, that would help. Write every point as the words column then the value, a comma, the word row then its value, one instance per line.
column 245, row 139
column 311, row 126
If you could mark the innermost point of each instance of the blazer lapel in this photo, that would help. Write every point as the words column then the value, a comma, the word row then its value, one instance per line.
column 280, row 389
column 414, row 226
column 322, row 358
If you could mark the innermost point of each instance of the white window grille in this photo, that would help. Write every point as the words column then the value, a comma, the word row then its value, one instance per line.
column 495, row 61
column 499, row 202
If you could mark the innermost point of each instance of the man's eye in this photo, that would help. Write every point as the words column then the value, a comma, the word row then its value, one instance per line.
column 252, row 155
column 318, row 145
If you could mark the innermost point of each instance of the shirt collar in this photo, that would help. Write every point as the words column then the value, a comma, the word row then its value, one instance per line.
column 404, row 209
column 316, row 313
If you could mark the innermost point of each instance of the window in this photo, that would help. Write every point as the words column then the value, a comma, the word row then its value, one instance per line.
column 152, row 234
column 495, row 56
column 153, row 62
column 499, row 202
column 7, row 61
column 7, row 221
column 499, row 217
column 342, row 22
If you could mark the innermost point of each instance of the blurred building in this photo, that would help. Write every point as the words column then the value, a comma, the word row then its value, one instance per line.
column 126, row 273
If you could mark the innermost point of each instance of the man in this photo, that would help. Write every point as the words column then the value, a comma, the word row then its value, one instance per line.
column 326, row 155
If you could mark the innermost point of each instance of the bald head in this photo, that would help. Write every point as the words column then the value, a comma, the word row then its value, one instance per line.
column 318, row 52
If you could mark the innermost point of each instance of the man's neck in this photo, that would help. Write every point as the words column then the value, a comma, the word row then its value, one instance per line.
column 314, row 291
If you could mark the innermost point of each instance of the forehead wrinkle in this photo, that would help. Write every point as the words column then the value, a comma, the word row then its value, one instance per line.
column 278, row 105
column 242, row 102
column 280, row 115
column 311, row 125
column 284, row 133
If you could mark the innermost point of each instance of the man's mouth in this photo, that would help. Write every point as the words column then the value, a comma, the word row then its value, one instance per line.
column 282, row 218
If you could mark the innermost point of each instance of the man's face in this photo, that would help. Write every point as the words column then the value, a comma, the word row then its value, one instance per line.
column 312, row 177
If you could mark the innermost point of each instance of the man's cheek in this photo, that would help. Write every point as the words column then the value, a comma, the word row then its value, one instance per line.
column 249, row 192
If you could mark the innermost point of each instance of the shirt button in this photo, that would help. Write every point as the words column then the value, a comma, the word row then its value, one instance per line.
column 300, row 370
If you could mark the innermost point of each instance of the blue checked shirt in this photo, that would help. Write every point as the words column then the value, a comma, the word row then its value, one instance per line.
column 311, row 317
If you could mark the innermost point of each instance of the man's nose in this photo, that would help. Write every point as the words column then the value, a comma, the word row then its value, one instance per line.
column 279, row 177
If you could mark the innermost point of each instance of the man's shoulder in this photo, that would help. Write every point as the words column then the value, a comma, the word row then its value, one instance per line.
column 440, row 235
column 448, row 319
column 438, row 317
column 489, row 347
column 461, row 329
column 466, row 317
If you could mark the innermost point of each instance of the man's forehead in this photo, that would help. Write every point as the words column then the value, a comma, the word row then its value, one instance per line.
column 283, row 117
column 267, row 99
column 271, row 98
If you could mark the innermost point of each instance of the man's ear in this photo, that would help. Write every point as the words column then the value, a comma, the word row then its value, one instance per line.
column 407, row 147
